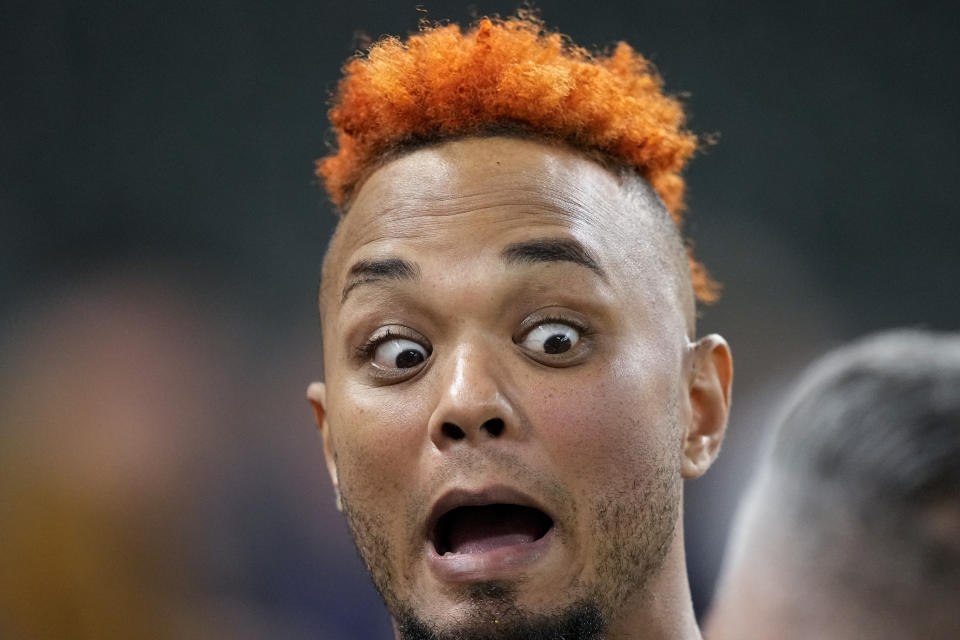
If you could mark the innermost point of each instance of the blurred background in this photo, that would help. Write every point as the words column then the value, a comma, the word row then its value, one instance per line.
column 161, row 235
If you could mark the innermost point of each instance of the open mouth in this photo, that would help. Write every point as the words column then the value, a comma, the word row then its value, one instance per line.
column 477, row 529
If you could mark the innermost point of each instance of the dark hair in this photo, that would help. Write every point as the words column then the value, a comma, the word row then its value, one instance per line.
column 852, row 526
column 870, row 444
column 880, row 417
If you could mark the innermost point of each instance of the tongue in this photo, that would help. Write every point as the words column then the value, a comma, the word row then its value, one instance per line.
column 481, row 529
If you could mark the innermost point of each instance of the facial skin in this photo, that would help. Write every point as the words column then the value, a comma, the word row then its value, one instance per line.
column 501, row 325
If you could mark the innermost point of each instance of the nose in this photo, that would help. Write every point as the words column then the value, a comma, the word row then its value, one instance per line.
column 474, row 403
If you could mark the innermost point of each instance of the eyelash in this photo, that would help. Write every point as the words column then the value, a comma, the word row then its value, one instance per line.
column 366, row 350
column 581, row 328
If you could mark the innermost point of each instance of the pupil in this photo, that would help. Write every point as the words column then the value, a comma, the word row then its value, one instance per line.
column 556, row 344
column 409, row 358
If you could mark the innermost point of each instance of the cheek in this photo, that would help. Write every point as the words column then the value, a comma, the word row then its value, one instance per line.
column 609, row 422
column 378, row 437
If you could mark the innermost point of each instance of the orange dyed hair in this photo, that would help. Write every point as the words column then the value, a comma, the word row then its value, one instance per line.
column 509, row 74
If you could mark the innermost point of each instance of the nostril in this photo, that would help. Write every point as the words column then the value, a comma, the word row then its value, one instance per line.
column 452, row 431
column 494, row 426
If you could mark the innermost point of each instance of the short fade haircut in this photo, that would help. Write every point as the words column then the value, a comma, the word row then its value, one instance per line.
column 864, row 460
column 509, row 77
column 851, row 528
column 878, row 423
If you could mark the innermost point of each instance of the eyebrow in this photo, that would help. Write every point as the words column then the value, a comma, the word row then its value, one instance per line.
column 366, row 271
column 551, row 250
column 527, row 252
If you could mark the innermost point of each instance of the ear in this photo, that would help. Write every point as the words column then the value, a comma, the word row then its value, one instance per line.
column 317, row 395
column 711, row 377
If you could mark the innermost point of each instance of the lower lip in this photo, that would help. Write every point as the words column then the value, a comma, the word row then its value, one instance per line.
column 490, row 565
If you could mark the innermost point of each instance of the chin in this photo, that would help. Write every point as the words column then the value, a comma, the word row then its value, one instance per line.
column 491, row 614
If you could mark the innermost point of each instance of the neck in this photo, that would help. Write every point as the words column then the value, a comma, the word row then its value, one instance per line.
column 774, row 596
column 664, row 608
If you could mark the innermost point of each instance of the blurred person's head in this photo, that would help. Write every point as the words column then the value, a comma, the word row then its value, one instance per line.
column 851, row 528
column 513, row 389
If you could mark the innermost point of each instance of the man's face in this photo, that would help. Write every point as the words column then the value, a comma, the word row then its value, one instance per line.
column 508, row 388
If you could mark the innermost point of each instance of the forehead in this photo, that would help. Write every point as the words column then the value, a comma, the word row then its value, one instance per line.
column 476, row 195
column 481, row 178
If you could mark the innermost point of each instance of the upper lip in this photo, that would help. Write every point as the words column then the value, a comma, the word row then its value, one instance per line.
column 461, row 497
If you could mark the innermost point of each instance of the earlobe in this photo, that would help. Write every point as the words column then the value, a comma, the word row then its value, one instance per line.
column 317, row 395
column 711, row 378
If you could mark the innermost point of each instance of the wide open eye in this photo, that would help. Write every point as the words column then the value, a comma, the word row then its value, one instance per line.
column 399, row 353
column 551, row 338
